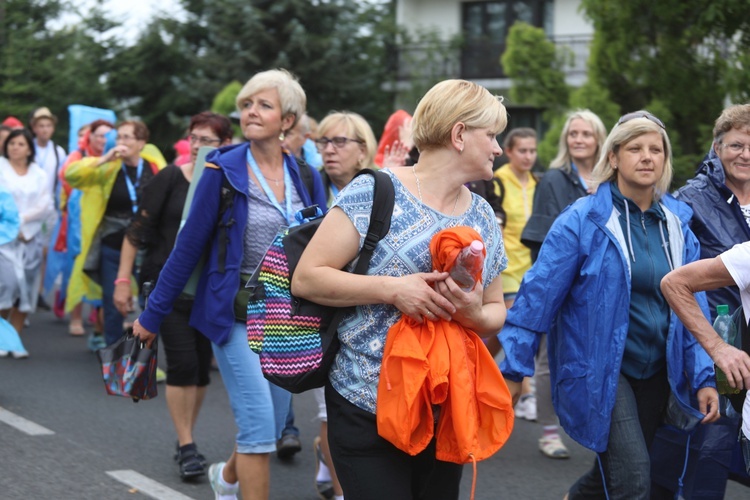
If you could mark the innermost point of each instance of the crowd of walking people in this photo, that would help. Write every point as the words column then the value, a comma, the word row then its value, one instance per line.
column 596, row 294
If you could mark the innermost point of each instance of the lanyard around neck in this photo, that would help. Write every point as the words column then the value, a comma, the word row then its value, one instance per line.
column 133, row 187
column 287, row 212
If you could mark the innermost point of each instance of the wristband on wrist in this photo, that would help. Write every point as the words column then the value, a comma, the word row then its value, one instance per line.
column 122, row 280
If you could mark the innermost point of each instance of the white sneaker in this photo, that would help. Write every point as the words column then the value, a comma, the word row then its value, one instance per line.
column 3, row 353
column 221, row 491
column 553, row 447
column 526, row 407
column 20, row 354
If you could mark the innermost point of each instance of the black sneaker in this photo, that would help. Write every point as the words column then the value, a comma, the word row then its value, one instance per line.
column 287, row 446
column 42, row 304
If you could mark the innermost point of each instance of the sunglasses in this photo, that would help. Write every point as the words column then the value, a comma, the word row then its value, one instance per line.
column 640, row 114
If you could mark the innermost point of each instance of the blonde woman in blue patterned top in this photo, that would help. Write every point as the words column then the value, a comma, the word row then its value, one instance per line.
column 454, row 127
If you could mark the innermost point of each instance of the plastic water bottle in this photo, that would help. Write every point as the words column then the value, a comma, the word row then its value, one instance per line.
column 468, row 264
column 726, row 329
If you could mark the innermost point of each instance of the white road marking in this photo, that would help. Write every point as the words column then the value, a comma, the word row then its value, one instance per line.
column 23, row 425
column 146, row 485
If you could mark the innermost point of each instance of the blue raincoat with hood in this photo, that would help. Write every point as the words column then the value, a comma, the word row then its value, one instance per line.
column 717, row 220
column 579, row 291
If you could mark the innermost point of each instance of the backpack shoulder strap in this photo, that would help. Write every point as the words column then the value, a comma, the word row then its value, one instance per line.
column 384, row 197
column 306, row 175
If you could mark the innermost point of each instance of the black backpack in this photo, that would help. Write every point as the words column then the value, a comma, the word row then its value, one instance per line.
column 296, row 339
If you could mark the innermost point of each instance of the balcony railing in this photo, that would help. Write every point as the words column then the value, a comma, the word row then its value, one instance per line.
column 478, row 60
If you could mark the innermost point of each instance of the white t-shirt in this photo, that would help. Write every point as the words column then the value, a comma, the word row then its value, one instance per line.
column 737, row 262
column 33, row 200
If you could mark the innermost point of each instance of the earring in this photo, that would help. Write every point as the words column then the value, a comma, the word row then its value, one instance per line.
column 282, row 136
column 461, row 150
column 614, row 166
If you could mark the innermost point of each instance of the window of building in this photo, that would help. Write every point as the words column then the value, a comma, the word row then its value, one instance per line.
column 485, row 28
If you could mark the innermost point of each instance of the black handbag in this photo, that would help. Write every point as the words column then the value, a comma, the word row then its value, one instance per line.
column 129, row 368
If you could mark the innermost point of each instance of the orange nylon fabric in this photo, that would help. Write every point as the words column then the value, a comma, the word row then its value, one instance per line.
column 442, row 363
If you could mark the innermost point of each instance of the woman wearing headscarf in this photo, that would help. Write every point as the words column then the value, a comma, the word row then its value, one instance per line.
column 266, row 191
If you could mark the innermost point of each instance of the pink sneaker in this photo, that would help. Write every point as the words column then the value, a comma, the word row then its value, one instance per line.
column 58, row 308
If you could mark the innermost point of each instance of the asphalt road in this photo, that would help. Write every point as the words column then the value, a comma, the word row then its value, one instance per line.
column 88, row 440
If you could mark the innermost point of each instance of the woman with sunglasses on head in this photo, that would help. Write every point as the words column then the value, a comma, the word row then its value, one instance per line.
column 246, row 192
column 154, row 230
column 616, row 350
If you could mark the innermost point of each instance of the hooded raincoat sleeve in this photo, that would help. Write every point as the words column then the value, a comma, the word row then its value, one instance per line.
column 543, row 289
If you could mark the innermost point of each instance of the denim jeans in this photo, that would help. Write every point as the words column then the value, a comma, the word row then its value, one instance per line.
column 110, row 263
column 259, row 407
column 289, row 427
column 626, row 466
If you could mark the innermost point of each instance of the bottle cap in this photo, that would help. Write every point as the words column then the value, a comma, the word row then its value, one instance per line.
column 476, row 246
column 722, row 309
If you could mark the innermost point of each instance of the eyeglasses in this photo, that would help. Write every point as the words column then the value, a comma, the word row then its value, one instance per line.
column 126, row 138
column 736, row 147
column 338, row 142
column 640, row 114
column 202, row 140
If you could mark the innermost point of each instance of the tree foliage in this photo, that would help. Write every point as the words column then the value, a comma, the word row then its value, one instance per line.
column 686, row 55
column 536, row 67
column 43, row 66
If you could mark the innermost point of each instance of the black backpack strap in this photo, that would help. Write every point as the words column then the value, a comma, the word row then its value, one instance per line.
column 306, row 175
column 225, row 205
column 384, row 198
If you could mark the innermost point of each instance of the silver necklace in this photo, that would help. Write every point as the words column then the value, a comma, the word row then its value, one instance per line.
column 419, row 190
column 275, row 181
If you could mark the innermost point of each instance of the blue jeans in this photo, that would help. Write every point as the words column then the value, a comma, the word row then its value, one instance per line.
column 110, row 263
column 626, row 465
column 259, row 407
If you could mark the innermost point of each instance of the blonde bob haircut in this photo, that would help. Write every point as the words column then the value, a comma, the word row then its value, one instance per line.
column 355, row 127
column 622, row 134
column 450, row 102
column 291, row 96
column 563, row 160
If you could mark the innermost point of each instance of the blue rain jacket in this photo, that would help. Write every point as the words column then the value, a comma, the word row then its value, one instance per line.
column 717, row 220
column 579, row 291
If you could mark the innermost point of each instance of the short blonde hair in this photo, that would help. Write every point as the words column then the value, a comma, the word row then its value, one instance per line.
column 563, row 160
column 291, row 95
column 450, row 102
column 356, row 128
column 622, row 134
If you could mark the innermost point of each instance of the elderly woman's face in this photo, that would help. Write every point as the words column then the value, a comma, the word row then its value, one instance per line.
column 581, row 141
column 260, row 116
column 640, row 163
column 341, row 162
